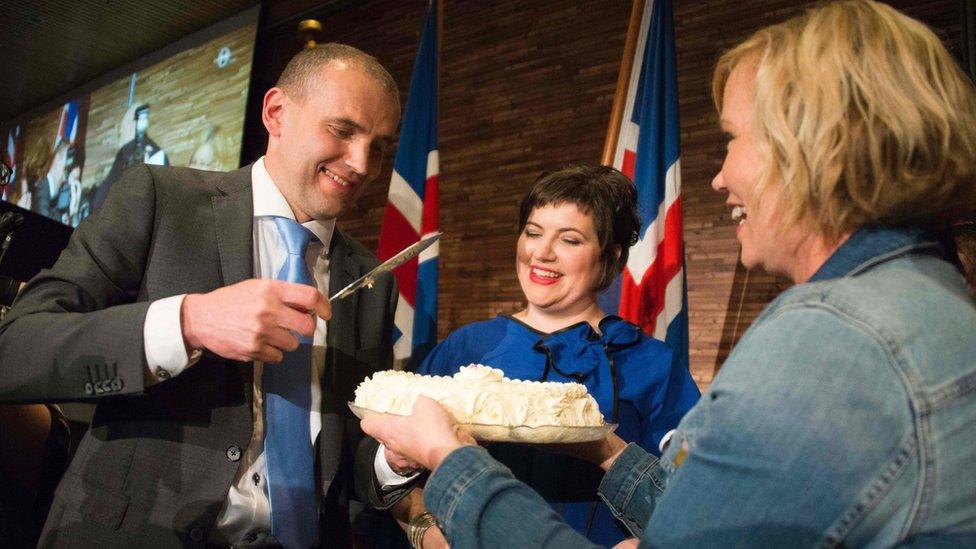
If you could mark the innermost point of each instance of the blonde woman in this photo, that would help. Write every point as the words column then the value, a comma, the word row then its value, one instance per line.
column 847, row 413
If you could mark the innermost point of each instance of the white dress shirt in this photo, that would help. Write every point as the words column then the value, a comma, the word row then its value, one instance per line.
column 245, row 517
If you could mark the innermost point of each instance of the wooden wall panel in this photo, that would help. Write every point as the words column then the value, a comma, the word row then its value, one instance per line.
column 526, row 86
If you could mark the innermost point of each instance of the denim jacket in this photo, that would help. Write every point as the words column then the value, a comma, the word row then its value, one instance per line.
column 846, row 415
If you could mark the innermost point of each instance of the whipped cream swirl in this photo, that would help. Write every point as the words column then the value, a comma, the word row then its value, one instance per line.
column 483, row 395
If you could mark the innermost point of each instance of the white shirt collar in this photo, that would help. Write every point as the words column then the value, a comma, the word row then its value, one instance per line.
column 51, row 181
column 268, row 201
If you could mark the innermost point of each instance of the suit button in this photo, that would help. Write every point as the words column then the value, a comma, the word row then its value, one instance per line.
column 117, row 384
column 234, row 453
column 162, row 374
column 196, row 534
column 89, row 389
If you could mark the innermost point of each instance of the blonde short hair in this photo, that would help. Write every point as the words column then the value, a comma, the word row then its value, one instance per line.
column 861, row 116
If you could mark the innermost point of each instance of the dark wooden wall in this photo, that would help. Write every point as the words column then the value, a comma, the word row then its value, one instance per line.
column 527, row 86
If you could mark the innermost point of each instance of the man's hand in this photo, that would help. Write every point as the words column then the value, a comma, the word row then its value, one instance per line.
column 401, row 465
column 426, row 436
column 252, row 320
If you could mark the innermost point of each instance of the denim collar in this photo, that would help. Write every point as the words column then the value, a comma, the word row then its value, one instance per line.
column 871, row 245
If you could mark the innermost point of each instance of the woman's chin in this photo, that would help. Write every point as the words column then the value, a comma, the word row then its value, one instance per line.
column 749, row 258
column 560, row 308
column 542, row 305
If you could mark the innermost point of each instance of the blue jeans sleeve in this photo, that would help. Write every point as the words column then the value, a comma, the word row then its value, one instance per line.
column 797, row 439
column 478, row 503
column 632, row 487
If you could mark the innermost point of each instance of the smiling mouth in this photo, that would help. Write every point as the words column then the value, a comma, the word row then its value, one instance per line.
column 335, row 177
column 739, row 214
column 543, row 276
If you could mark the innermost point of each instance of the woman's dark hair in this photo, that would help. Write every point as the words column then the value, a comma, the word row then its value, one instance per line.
column 603, row 193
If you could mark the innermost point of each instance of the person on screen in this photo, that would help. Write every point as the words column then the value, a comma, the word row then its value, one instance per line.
column 846, row 414
column 141, row 149
column 25, row 196
column 167, row 311
column 44, row 199
column 37, row 155
column 209, row 152
column 73, row 204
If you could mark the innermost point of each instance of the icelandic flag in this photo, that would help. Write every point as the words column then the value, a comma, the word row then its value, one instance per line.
column 68, row 126
column 651, row 291
column 411, row 212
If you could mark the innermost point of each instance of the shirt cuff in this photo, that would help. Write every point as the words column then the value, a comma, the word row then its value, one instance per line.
column 163, row 337
column 665, row 440
column 386, row 477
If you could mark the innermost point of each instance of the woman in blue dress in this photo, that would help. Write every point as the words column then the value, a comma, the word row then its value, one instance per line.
column 576, row 226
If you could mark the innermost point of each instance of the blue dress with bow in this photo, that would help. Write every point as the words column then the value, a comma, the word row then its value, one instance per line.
column 637, row 381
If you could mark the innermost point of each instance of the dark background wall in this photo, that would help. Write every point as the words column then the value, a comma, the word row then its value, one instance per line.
column 527, row 86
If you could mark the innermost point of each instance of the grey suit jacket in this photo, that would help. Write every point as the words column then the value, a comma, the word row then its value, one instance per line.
column 157, row 462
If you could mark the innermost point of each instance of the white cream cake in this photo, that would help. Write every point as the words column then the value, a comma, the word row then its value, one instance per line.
column 483, row 395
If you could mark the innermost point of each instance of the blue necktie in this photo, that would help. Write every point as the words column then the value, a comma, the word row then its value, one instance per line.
column 287, row 401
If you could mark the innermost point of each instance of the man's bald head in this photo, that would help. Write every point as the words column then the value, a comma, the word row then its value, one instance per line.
column 299, row 76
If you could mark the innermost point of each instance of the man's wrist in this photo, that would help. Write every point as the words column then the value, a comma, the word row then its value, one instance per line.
column 387, row 478
column 165, row 349
column 187, row 326
column 405, row 473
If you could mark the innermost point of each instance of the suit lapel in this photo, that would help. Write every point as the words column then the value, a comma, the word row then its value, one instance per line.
column 233, row 213
column 340, row 345
column 343, row 269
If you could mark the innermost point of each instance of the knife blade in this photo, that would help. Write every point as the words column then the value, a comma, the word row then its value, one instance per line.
column 368, row 279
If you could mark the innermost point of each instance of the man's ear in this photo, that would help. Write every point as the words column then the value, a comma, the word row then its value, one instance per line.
column 272, row 111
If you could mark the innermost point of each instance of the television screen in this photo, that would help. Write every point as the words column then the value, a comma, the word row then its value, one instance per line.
column 186, row 109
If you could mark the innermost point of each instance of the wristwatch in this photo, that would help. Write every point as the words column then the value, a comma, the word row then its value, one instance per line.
column 419, row 524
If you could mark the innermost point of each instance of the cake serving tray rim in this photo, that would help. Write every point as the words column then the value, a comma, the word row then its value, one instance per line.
column 543, row 434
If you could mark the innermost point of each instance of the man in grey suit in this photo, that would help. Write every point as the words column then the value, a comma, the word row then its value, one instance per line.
column 164, row 310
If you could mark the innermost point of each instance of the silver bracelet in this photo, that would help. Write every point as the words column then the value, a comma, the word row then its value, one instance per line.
column 419, row 525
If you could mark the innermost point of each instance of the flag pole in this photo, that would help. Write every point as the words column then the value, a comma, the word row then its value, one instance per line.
column 623, row 81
